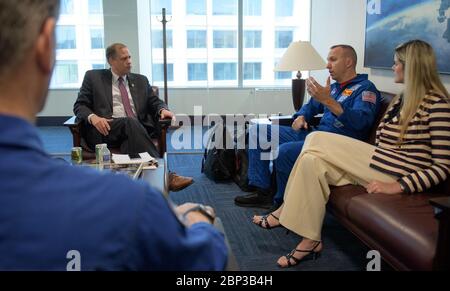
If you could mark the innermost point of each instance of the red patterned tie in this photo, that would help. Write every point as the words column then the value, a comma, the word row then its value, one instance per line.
column 125, row 98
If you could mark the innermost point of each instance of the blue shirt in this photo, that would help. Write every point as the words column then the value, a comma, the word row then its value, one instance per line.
column 360, row 101
column 49, row 208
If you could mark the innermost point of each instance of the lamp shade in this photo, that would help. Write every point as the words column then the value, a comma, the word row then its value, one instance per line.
column 300, row 56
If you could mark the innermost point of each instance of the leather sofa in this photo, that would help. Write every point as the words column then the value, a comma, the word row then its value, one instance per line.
column 409, row 232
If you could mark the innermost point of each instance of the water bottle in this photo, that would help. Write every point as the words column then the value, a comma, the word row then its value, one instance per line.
column 106, row 154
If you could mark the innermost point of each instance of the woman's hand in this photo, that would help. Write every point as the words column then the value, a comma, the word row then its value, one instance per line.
column 377, row 187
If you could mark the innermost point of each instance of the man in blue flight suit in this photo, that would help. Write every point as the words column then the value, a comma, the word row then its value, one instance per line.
column 55, row 216
column 349, row 107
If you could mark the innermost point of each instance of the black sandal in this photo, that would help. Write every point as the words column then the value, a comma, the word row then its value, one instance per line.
column 266, row 222
column 312, row 255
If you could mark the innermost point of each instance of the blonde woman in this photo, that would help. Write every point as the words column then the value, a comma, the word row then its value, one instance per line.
column 412, row 153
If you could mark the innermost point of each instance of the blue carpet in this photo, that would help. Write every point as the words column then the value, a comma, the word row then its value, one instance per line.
column 255, row 249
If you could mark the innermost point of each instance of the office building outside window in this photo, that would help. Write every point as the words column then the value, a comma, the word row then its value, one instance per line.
column 205, row 35
column 252, row 71
column 66, row 37
column 98, row 66
column 195, row 7
column 197, row 72
column 158, row 72
column 252, row 8
column 225, row 39
column 284, row 8
column 196, row 39
column 252, row 39
column 80, row 37
column 97, row 39
column 66, row 7
column 225, row 71
column 221, row 7
column 283, row 38
column 95, row 6
column 66, row 72
column 158, row 5
column 157, row 39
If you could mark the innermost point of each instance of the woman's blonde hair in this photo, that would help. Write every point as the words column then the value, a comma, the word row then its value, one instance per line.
column 420, row 77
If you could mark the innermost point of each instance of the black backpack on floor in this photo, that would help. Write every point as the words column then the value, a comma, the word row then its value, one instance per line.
column 241, row 174
column 219, row 162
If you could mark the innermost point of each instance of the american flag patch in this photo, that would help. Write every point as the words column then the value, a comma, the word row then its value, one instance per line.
column 369, row 96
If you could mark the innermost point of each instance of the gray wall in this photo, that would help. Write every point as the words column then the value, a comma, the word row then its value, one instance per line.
column 344, row 21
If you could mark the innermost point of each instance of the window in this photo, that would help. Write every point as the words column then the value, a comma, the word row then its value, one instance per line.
column 198, row 72
column 95, row 6
column 225, row 39
column 66, row 7
column 79, row 36
column 283, row 39
column 66, row 72
column 98, row 66
column 157, row 39
column 196, row 39
column 284, row 8
column 252, row 39
column 97, row 38
column 204, row 38
column 66, row 37
column 222, row 7
column 283, row 75
column 225, row 71
column 252, row 71
column 158, row 5
column 196, row 7
column 158, row 72
column 252, row 7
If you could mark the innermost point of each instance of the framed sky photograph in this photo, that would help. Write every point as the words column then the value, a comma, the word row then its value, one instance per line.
column 391, row 22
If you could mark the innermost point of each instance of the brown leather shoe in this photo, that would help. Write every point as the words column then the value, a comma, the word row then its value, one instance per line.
column 177, row 183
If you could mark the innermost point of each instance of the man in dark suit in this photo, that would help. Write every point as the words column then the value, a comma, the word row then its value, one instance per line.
column 119, row 108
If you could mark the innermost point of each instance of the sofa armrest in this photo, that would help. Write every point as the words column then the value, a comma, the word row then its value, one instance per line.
column 442, row 211
column 164, row 125
column 285, row 120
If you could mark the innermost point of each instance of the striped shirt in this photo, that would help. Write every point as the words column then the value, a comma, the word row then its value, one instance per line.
column 422, row 159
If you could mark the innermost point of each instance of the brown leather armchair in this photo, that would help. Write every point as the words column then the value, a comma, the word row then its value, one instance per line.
column 74, row 126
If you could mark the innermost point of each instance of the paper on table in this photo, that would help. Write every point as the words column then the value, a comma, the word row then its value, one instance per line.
column 125, row 159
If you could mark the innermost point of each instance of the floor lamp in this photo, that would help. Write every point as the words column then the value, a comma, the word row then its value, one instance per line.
column 300, row 56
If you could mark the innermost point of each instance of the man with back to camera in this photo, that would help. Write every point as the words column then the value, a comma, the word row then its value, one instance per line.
column 51, row 209
column 349, row 107
column 118, row 108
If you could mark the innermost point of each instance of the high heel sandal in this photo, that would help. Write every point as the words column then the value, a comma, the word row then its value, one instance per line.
column 266, row 222
column 312, row 255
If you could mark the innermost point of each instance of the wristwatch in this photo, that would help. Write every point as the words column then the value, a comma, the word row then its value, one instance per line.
column 203, row 210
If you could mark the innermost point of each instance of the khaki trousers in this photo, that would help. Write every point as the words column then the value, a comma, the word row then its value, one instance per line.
column 326, row 159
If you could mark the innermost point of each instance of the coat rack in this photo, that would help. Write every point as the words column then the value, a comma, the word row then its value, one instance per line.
column 164, row 23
